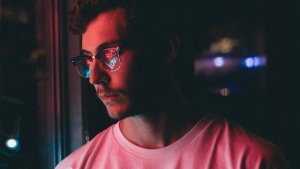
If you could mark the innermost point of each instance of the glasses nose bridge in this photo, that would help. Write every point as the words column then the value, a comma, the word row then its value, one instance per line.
column 93, row 61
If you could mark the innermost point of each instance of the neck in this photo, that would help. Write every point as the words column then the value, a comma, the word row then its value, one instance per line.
column 164, row 125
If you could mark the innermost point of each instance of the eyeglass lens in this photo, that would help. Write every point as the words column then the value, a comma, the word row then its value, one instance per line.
column 109, row 59
column 83, row 67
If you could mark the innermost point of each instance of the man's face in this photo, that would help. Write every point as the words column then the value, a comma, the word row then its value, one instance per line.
column 121, row 91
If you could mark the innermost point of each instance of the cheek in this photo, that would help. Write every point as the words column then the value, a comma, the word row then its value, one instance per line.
column 138, row 72
column 126, row 77
column 133, row 72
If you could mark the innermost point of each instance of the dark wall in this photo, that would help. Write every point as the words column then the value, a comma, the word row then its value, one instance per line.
column 18, row 111
column 283, row 47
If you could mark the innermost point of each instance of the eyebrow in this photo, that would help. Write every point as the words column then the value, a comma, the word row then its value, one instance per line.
column 103, row 46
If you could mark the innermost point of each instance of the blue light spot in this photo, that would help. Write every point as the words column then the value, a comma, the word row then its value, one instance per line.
column 257, row 61
column 219, row 61
column 249, row 62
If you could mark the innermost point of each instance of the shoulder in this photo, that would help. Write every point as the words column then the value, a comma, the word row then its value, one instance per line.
column 236, row 142
column 230, row 132
column 79, row 156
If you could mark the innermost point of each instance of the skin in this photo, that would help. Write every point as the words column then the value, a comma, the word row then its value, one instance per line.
column 111, row 87
column 151, row 110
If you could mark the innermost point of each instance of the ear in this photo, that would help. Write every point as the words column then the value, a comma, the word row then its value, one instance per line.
column 173, row 44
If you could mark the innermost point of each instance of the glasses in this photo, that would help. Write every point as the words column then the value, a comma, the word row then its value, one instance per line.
column 108, row 57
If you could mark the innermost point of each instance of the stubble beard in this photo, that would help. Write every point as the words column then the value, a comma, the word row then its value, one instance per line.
column 137, row 106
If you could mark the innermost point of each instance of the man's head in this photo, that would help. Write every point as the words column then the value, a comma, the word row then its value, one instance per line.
column 156, row 16
column 126, row 47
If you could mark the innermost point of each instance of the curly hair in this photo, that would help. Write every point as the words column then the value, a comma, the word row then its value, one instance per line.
column 154, row 15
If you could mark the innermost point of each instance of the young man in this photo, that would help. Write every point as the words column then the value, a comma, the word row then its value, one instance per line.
column 127, row 51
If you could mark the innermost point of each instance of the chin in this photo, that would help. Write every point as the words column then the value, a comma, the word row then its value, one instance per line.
column 117, row 112
column 123, row 110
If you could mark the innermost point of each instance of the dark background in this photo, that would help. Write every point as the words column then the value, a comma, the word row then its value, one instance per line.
column 18, row 84
column 271, row 111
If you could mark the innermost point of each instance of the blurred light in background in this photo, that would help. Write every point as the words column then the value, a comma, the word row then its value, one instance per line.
column 225, row 92
column 256, row 61
column 219, row 61
column 12, row 143
column 224, row 45
column 233, row 63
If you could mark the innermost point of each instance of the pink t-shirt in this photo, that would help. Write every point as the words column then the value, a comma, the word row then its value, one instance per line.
column 213, row 143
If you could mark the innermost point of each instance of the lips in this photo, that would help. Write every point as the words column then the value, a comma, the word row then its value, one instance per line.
column 109, row 98
column 104, row 95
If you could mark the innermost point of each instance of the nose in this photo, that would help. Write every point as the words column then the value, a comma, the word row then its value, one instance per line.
column 98, row 74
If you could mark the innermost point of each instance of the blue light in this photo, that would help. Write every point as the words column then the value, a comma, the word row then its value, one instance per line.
column 257, row 61
column 219, row 61
column 12, row 143
column 249, row 62
column 254, row 61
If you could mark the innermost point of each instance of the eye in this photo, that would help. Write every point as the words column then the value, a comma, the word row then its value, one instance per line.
column 88, row 62
column 108, row 54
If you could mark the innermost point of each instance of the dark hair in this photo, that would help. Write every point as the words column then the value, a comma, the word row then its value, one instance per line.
column 143, row 15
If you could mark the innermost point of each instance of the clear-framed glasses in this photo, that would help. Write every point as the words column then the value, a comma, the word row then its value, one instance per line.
column 108, row 57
